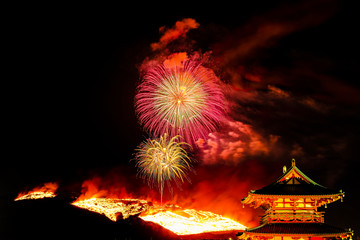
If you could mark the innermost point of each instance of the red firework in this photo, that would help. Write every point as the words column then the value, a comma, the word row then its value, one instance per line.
column 184, row 99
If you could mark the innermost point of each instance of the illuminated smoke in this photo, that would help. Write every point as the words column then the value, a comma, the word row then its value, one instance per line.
column 178, row 30
column 113, row 186
column 241, row 52
column 220, row 188
column 234, row 142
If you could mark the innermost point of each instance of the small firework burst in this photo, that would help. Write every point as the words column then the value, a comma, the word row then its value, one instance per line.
column 183, row 100
column 163, row 160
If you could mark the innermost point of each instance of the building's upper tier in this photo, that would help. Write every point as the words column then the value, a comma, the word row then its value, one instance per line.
column 294, row 183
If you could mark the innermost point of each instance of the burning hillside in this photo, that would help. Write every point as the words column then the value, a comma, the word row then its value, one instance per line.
column 178, row 220
column 113, row 208
column 47, row 190
column 190, row 221
column 174, row 218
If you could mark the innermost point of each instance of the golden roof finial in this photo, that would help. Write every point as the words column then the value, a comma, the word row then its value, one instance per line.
column 293, row 162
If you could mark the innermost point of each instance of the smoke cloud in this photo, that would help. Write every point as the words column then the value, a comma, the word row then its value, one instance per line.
column 178, row 30
column 233, row 143
column 240, row 52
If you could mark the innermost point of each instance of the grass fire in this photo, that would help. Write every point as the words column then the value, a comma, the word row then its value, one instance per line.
column 172, row 217
column 180, row 221
column 47, row 190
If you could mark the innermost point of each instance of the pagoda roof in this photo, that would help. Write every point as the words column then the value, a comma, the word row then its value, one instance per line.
column 294, row 182
column 301, row 229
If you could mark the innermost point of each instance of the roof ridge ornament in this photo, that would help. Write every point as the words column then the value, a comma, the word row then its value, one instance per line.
column 293, row 162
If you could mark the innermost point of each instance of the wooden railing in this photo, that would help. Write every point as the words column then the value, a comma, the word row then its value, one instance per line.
column 271, row 217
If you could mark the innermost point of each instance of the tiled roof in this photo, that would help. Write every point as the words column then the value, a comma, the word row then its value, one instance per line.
column 303, row 188
column 295, row 182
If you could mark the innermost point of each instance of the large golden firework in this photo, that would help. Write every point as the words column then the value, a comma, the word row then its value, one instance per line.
column 162, row 160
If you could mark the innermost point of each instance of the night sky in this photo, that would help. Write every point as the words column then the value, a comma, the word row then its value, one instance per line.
column 290, row 73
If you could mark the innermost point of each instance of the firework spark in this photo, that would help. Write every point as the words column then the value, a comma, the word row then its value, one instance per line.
column 184, row 99
column 162, row 160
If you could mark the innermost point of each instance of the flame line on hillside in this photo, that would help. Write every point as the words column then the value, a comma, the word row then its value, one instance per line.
column 47, row 190
column 172, row 217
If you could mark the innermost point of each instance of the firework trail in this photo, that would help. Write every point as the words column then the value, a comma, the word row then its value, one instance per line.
column 183, row 99
column 163, row 160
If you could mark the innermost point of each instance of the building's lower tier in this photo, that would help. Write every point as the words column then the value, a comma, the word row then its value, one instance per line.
column 298, row 231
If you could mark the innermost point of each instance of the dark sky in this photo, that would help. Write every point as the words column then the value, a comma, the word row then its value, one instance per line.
column 291, row 70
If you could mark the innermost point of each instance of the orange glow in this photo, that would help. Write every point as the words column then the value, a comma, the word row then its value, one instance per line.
column 47, row 190
column 174, row 218
column 179, row 30
column 221, row 196
column 205, row 206
column 197, row 217
column 114, row 208
column 190, row 221
column 100, row 188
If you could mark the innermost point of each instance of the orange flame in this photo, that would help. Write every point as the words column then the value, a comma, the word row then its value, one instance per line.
column 112, row 207
column 94, row 188
column 190, row 221
column 115, row 203
column 174, row 218
column 47, row 190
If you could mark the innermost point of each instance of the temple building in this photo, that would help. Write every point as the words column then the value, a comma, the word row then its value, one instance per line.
column 291, row 209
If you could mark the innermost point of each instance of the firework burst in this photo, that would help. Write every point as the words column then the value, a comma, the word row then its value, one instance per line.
column 163, row 160
column 183, row 100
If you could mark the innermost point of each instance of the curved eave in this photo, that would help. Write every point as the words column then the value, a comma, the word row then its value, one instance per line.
column 342, row 235
column 296, row 195
column 299, row 230
column 255, row 197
